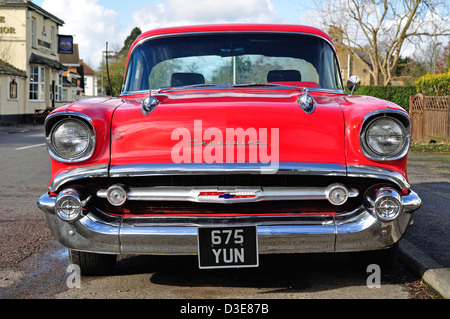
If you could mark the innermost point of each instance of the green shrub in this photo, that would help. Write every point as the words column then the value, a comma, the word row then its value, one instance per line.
column 434, row 84
column 396, row 94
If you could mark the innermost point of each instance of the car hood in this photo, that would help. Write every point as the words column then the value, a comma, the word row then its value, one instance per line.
column 247, row 126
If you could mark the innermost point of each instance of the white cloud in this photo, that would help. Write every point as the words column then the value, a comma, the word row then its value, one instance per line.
column 91, row 24
column 312, row 17
column 183, row 12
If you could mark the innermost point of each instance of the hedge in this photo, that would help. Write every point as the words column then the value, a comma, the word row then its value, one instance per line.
column 434, row 84
column 428, row 85
column 396, row 94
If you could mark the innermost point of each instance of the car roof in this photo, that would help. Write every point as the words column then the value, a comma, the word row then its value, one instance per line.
column 234, row 28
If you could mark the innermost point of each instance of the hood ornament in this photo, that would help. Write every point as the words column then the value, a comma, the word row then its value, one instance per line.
column 306, row 102
column 149, row 104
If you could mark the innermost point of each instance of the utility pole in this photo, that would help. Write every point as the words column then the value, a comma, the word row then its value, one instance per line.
column 104, row 53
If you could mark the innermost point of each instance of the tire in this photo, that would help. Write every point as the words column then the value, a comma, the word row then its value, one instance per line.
column 92, row 264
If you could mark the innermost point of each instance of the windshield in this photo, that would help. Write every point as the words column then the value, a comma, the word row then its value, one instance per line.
column 233, row 59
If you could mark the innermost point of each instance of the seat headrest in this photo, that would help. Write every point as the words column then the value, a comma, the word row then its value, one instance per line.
column 182, row 79
column 283, row 75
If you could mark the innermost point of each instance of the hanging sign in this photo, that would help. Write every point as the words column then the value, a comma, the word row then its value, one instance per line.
column 65, row 44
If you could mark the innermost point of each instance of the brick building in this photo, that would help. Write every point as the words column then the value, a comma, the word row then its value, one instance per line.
column 351, row 64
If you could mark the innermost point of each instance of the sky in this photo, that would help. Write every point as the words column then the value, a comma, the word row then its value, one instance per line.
column 95, row 22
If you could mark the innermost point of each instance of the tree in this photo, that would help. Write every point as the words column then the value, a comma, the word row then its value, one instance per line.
column 129, row 40
column 381, row 28
column 409, row 67
column 116, row 65
column 442, row 58
column 434, row 55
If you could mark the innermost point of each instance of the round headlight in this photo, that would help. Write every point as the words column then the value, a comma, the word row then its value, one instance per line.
column 385, row 137
column 71, row 140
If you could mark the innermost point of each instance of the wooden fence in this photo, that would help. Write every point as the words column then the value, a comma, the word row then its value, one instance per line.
column 430, row 117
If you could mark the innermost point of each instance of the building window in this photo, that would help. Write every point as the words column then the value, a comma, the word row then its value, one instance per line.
column 33, row 32
column 13, row 90
column 37, row 83
column 52, row 38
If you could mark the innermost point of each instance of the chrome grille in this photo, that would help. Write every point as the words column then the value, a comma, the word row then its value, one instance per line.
column 149, row 207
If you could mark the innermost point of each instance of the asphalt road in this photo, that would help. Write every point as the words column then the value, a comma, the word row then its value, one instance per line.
column 430, row 178
column 34, row 265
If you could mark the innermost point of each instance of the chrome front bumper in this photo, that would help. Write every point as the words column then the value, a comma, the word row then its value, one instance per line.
column 358, row 230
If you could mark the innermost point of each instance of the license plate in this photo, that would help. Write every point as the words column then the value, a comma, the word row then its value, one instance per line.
column 227, row 247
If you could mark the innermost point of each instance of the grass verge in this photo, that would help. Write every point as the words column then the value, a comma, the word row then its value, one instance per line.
column 430, row 148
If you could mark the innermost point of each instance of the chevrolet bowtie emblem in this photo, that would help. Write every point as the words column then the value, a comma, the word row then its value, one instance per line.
column 226, row 195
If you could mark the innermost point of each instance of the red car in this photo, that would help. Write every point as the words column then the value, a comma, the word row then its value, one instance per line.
column 227, row 142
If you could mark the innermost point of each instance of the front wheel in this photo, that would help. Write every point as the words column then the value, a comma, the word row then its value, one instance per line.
column 92, row 264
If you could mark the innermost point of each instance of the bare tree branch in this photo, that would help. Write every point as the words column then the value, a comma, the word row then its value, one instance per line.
column 380, row 28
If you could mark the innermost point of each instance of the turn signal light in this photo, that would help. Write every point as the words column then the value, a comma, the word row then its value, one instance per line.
column 116, row 195
column 337, row 194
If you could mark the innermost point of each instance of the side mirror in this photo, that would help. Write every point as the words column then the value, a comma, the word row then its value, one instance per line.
column 353, row 83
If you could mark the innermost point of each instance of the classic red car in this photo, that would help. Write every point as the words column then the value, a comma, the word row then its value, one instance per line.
column 227, row 142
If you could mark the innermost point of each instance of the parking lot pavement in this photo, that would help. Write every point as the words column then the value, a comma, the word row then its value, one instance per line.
column 23, row 128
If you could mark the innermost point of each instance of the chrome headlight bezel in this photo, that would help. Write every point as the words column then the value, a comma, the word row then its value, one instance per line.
column 397, row 118
column 54, row 122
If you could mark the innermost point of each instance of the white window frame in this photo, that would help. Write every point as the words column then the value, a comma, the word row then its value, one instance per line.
column 52, row 38
column 37, row 82
column 33, row 32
